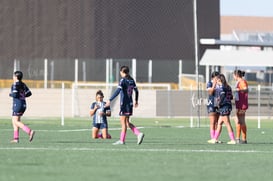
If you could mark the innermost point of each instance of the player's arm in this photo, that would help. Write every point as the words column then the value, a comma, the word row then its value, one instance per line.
column 27, row 92
column 136, row 96
column 243, row 87
column 13, row 93
column 211, row 87
column 108, row 112
column 93, row 109
column 116, row 93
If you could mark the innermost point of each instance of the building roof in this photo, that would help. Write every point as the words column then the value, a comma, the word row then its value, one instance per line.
column 216, row 57
column 245, row 23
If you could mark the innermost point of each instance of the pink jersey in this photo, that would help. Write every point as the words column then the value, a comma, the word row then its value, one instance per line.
column 241, row 96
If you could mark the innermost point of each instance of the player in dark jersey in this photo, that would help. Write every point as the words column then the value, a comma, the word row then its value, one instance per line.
column 19, row 92
column 125, row 89
column 224, row 97
column 211, row 105
column 100, row 113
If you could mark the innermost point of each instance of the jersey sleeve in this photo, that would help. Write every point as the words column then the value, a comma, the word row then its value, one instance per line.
column 27, row 91
column 209, row 85
column 243, row 85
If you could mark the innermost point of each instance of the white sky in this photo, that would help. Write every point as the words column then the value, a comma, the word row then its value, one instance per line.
column 246, row 7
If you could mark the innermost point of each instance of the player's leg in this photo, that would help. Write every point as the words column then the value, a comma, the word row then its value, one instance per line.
column 15, row 129
column 230, row 130
column 104, row 131
column 238, row 126
column 121, row 140
column 95, row 132
column 213, row 124
column 243, row 126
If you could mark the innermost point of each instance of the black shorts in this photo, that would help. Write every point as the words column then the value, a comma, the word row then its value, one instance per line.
column 126, row 110
column 18, row 109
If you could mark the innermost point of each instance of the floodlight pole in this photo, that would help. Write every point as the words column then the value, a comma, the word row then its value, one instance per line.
column 196, row 48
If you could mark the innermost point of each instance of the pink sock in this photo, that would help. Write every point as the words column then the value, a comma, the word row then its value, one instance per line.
column 16, row 135
column 135, row 130
column 26, row 129
column 231, row 135
column 122, row 136
column 212, row 133
column 216, row 135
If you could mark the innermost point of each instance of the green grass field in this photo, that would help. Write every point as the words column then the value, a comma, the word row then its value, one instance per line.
column 170, row 151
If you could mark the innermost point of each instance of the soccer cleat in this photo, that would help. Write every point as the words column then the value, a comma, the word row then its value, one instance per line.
column 31, row 135
column 243, row 142
column 231, row 142
column 14, row 141
column 238, row 141
column 119, row 143
column 218, row 141
column 140, row 137
column 109, row 136
column 212, row 141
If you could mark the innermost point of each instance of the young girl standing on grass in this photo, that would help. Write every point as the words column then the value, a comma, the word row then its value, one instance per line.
column 241, row 103
column 125, row 88
column 225, row 107
column 211, row 105
column 19, row 92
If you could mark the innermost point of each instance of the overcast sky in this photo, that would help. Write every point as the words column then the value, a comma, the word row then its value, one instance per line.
column 247, row 7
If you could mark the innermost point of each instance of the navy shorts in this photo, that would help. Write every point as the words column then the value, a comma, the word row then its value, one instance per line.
column 18, row 109
column 126, row 110
column 100, row 125
column 212, row 109
column 225, row 110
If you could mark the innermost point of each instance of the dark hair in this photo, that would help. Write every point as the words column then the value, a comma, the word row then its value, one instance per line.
column 99, row 92
column 214, row 74
column 223, row 79
column 125, row 69
column 239, row 73
column 18, row 75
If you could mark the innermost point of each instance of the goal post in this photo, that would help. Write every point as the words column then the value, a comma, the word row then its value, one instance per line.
column 83, row 94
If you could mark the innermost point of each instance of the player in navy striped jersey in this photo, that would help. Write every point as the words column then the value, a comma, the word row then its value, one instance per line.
column 125, row 89
column 19, row 92
column 100, row 113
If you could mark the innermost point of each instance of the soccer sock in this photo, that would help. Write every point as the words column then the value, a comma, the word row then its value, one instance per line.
column 244, row 130
column 135, row 130
column 122, row 136
column 238, row 131
column 216, row 135
column 99, row 135
column 212, row 133
column 16, row 135
column 231, row 135
column 26, row 129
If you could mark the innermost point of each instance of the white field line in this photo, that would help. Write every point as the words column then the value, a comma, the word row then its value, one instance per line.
column 126, row 149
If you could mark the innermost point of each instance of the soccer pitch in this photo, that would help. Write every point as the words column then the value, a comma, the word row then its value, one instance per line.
column 170, row 151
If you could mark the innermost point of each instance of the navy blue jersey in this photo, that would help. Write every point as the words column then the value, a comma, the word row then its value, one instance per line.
column 225, row 96
column 97, row 118
column 125, row 89
column 212, row 96
column 19, row 92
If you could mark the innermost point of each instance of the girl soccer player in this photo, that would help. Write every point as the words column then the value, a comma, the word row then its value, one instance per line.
column 100, row 113
column 19, row 92
column 224, row 97
column 241, row 103
column 125, row 88
column 211, row 107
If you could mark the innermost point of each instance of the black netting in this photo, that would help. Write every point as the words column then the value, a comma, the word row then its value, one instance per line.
column 93, row 30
